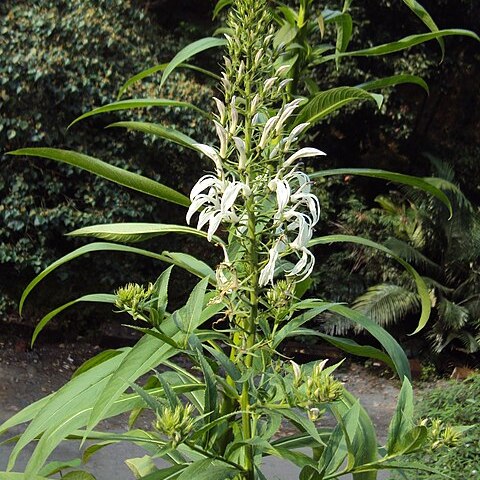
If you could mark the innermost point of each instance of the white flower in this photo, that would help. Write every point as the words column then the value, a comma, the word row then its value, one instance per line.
column 302, row 153
column 221, row 109
column 213, row 154
column 223, row 137
column 267, row 272
column 269, row 124
column 218, row 203
column 287, row 111
column 304, row 266
column 242, row 158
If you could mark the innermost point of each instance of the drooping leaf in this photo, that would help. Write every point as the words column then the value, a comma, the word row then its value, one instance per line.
column 420, row 283
column 160, row 131
column 109, row 172
column 221, row 4
column 425, row 184
column 392, row 81
column 327, row 102
column 191, row 264
column 160, row 68
column 93, row 247
column 135, row 232
column 94, row 297
column 189, row 51
column 404, row 43
column 208, row 469
column 134, row 103
column 425, row 17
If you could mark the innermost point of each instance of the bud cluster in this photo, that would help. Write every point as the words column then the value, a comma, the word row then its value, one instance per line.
column 441, row 435
column 176, row 423
column 132, row 298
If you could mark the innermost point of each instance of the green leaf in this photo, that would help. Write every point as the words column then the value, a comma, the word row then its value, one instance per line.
column 110, row 172
column 208, row 469
column 420, row 283
column 342, row 435
column 159, row 131
column 78, row 475
column 19, row 476
column 54, row 467
column 221, row 4
column 303, row 423
column 191, row 264
column 94, row 361
column 324, row 103
column 93, row 247
column 349, row 346
column 94, row 297
column 160, row 68
column 189, row 51
column 393, row 81
column 61, row 407
column 168, row 473
column 211, row 397
column 141, row 466
column 364, row 444
column 402, row 420
column 404, row 43
column 285, row 35
column 190, row 314
column 425, row 184
column 136, row 232
column 425, row 17
column 344, row 31
column 134, row 103
column 390, row 345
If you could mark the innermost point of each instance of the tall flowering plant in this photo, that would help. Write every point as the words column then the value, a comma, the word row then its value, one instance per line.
column 223, row 418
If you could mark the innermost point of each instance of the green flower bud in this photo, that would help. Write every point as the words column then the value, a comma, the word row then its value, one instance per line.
column 132, row 297
column 175, row 423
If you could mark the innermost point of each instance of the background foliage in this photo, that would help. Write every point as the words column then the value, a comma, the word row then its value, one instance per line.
column 62, row 58
column 59, row 59
column 454, row 404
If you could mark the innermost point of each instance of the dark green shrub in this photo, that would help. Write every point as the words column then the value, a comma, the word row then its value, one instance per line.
column 58, row 59
column 454, row 404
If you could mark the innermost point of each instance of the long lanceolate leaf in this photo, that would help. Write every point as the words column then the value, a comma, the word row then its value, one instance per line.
column 136, row 232
column 425, row 17
column 134, row 103
column 189, row 51
column 390, row 345
column 324, row 103
column 426, row 184
column 160, row 68
column 402, row 44
column 159, row 131
column 94, row 297
column 421, row 287
column 110, row 172
column 171, row 258
column 392, row 81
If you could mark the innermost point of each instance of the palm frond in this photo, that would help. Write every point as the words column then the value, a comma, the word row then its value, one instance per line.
column 387, row 304
column 411, row 254
column 453, row 316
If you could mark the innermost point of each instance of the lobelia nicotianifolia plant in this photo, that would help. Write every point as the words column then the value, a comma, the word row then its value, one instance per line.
column 222, row 418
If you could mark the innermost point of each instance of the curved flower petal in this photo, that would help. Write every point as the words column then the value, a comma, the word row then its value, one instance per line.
column 303, row 153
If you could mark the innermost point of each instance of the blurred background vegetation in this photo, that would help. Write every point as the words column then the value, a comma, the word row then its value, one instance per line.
column 60, row 58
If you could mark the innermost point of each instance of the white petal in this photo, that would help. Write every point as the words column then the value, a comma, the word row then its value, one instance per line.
column 203, row 183
column 215, row 221
column 230, row 195
column 302, row 153
column 269, row 124
column 240, row 144
column 223, row 137
column 211, row 153
column 266, row 274
column 221, row 109
column 283, row 194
